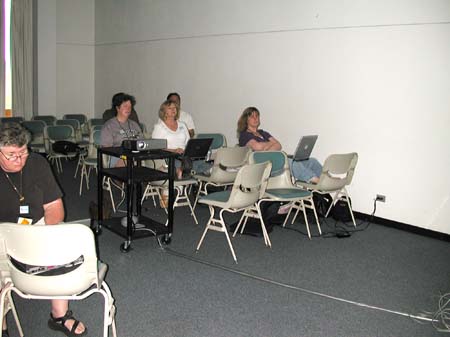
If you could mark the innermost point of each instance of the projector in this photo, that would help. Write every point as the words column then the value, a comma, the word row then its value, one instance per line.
column 144, row 144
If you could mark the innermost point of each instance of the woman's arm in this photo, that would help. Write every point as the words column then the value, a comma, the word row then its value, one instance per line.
column 271, row 145
column 54, row 212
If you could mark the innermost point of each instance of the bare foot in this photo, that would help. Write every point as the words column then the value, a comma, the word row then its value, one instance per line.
column 314, row 180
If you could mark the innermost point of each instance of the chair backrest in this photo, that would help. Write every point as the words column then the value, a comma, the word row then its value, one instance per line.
column 94, row 143
column 95, row 121
column 337, row 171
column 280, row 176
column 47, row 246
column 81, row 118
column 36, row 128
column 54, row 133
column 227, row 163
column 16, row 119
column 219, row 139
column 75, row 124
column 249, row 185
column 47, row 119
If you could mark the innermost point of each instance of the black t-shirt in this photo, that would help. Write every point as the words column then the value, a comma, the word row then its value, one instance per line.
column 39, row 187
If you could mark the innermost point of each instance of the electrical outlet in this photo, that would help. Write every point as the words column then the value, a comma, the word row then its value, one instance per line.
column 380, row 198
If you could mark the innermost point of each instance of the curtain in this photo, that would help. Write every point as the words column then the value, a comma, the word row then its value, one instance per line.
column 2, row 59
column 22, row 57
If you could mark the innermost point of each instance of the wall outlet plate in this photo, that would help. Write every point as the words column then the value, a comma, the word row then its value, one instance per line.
column 380, row 197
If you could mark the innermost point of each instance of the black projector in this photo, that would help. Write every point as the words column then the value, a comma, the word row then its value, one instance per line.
column 144, row 144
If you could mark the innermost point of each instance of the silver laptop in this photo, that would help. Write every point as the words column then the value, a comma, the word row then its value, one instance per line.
column 305, row 147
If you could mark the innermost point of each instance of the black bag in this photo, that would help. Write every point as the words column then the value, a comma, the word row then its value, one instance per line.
column 322, row 202
column 340, row 211
column 65, row 147
column 270, row 215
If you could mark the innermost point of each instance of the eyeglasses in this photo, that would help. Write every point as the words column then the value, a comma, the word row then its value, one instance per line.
column 15, row 156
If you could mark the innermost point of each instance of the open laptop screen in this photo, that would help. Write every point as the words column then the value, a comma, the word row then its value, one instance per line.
column 305, row 147
column 197, row 148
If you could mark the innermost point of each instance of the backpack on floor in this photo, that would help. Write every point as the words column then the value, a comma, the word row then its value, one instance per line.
column 65, row 147
column 340, row 211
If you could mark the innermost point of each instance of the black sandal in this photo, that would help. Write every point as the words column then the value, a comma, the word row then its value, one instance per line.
column 58, row 324
column 5, row 333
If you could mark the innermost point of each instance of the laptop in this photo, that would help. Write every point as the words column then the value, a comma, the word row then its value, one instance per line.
column 305, row 147
column 197, row 148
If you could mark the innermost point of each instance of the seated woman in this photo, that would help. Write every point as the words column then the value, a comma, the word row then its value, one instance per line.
column 177, row 135
column 29, row 194
column 117, row 129
column 259, row 140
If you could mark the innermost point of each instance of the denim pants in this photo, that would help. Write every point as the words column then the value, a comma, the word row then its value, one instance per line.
column 304, row 170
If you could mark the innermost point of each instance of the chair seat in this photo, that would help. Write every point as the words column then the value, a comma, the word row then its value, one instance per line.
column 288, row 193
column 216, row 198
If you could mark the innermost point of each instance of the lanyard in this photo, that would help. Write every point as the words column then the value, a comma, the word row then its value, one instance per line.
column 21, row 197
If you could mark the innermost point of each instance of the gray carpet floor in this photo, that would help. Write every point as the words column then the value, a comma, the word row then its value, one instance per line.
column 366, row 285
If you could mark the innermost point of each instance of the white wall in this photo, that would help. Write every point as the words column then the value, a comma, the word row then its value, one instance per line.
column 66, row 57
column 371, row 77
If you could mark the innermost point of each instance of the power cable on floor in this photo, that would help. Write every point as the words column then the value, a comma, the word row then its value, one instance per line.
column 288, row 286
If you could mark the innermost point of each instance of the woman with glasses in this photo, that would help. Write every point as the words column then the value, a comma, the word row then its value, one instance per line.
column 117, row 129
column 29, row 194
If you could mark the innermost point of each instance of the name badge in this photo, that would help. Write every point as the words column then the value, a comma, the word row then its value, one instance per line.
column 24, row 221
column 24, row 209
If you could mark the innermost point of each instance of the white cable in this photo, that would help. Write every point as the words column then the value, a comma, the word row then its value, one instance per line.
column 281, row 284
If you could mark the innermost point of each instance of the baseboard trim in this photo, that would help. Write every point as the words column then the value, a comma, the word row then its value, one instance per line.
column 403, row 226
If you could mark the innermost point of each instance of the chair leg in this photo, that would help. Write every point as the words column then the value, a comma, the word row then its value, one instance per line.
column 6, row 304
column 311, row 201
column 213, row 224
column 201, row 185
column 302, row 204
column 211, row 218
column 263, row 225
column 224, row 229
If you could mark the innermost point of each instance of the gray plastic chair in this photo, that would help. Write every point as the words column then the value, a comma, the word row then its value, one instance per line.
column 280, row 187
column 46, row 247
column 337, row 173
column 226, row 164
column 249, row 186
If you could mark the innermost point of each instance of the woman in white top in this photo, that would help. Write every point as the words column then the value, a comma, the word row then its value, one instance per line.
column 170, row 128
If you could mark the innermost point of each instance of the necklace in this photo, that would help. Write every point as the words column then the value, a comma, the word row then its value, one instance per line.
column 130, row 133
column 21, row 197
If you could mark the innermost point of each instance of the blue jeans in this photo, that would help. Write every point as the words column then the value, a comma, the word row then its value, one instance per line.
column 304, row 170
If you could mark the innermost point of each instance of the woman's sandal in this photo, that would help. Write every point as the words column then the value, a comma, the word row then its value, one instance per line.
column 5, row 333
column 58, row 324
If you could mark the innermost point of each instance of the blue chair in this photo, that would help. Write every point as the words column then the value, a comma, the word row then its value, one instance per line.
column 54, row 133
column 47, row 119
column 17, row 119
column 36, row 129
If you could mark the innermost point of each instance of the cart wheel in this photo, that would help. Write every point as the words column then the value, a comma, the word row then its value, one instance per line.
column 98, row 230
column 125, row 247
column 167, row 239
